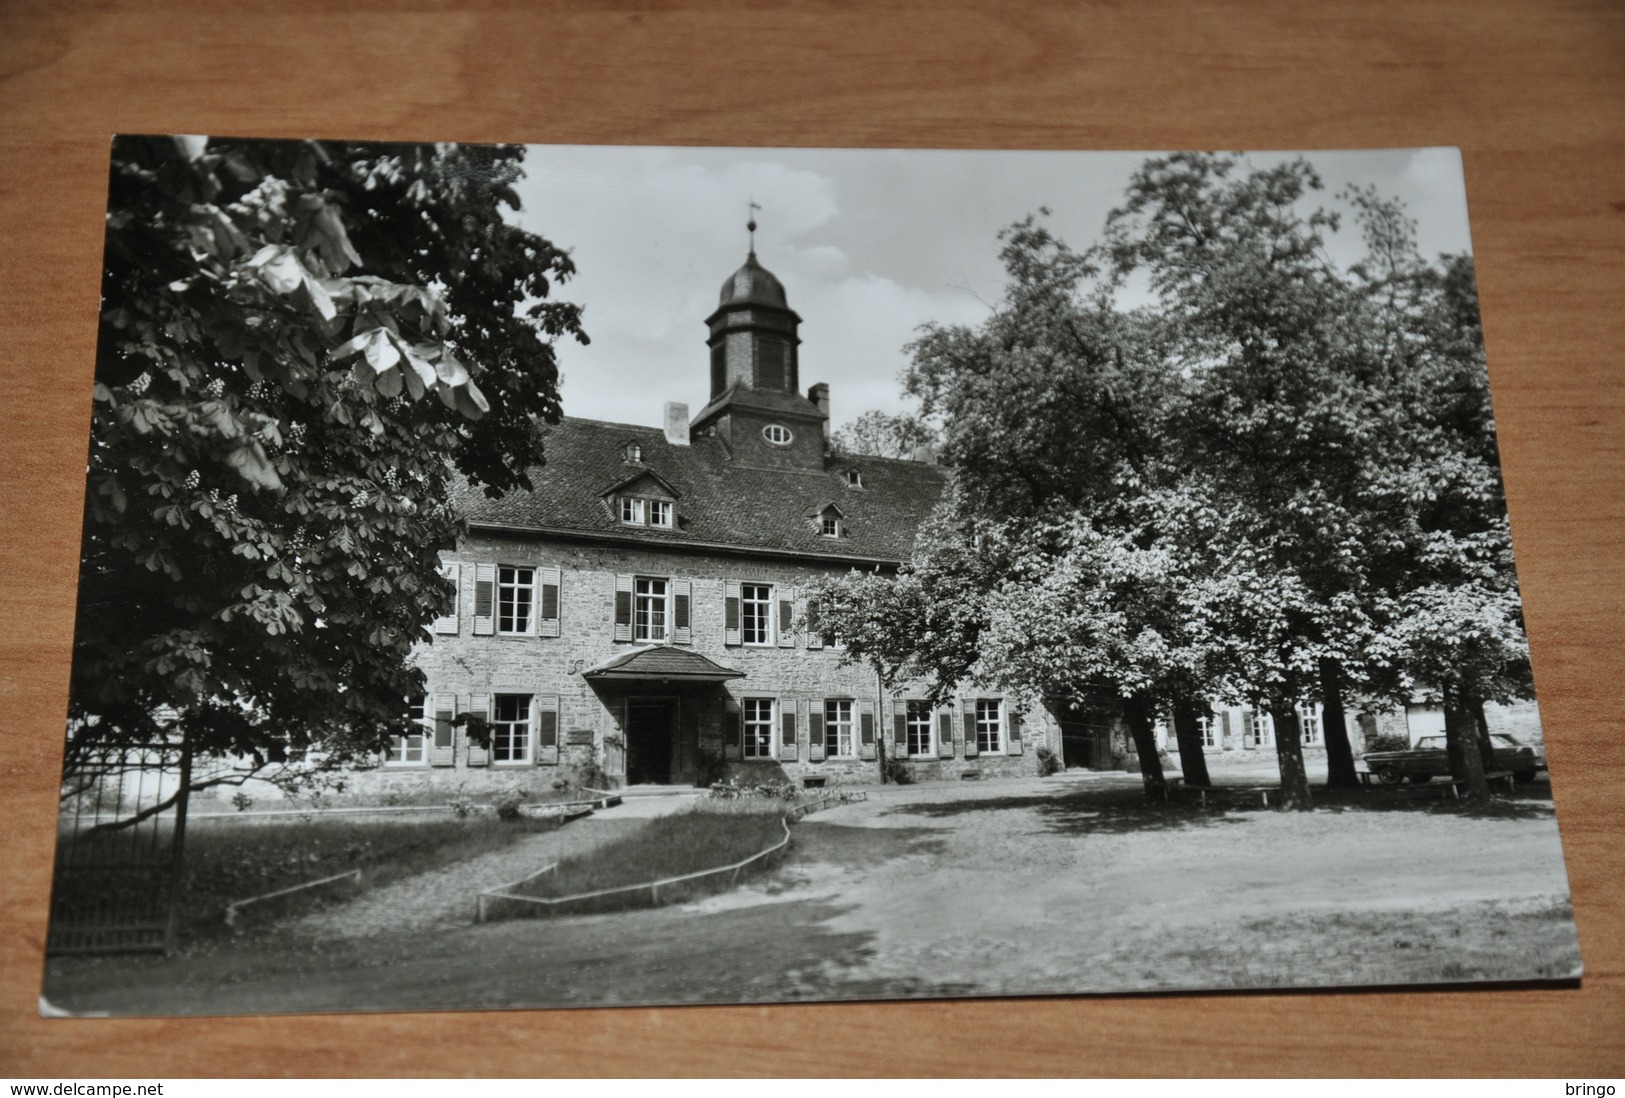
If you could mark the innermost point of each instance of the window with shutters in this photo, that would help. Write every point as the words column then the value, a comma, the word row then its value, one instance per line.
column 759, row 724
column 1210, row 730
column 989, row 724
column 412, row 750
column 917, row 725
column 1263, row 729
column 839, row 741
column 516, row 600
column 1309, row 723
column 510, row 729
column 650, row 619
column 756, row 613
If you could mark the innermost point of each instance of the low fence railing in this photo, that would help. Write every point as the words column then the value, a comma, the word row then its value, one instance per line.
column 491, row 902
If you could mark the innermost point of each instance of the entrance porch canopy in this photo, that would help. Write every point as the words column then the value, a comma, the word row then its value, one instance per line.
column 660, row 663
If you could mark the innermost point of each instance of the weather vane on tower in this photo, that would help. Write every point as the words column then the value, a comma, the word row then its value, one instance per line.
column 752, row 206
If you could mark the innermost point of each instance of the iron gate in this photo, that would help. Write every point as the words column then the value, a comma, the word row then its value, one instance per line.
column 118, row 857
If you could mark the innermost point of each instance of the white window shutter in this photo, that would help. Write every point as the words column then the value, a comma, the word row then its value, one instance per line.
column 545, row 721
column 453, row 572
column 682, row 605
column 549, row 580
column 485, row 597
column 730, row 614
column 443, row 738
column 787, row 730
column 1012, row 732
column 815, row 625
column 623, row 608
column 787, row 617
column 815, row 730
column 971, row 748
column 945, row 733
column 866, row 730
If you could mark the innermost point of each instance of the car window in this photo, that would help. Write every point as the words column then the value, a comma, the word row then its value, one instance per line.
column 1504, row 741
column 1430, row 743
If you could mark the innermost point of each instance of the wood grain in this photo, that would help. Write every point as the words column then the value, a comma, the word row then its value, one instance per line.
column 1532, row 90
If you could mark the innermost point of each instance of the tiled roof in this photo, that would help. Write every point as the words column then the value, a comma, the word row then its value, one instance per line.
column 722, row 502
column 661, row 661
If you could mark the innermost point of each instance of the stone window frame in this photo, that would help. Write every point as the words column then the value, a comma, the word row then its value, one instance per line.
column 831, row 726
column 919, row 727
column 769, row 604
column 641, row 598
column 417, row 709
column 515, row 586
column 992, row 737
column 753, row 749
column 527, row 706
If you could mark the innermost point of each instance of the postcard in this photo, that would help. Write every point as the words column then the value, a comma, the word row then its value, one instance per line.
column 534, row 577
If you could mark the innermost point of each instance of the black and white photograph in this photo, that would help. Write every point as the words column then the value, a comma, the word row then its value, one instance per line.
column 578, row 576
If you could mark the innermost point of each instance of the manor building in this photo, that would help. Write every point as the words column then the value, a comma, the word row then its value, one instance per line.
column 644, row 615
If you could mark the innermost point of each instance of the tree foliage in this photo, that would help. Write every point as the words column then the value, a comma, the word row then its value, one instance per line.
column 302, row 346
column 1277, row 483
column 883, row 434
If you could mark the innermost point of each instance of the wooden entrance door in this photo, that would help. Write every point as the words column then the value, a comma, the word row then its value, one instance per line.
column 651, row 726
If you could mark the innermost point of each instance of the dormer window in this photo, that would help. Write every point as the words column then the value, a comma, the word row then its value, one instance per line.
column 830, row 525
column 636, row 511
column 854, row 479
column 634, row 452
column 777, row 434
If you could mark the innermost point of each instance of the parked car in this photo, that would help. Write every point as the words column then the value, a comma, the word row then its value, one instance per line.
column 1429, row 759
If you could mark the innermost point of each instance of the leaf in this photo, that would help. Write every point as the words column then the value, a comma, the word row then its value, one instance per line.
column 283, row 272
column 470, row 401
column 252, row 464
column 450, row 370
column 388, row 383
column 425, row 372
column 382, row 354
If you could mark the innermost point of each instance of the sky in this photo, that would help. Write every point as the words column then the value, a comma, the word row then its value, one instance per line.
column 869, row 243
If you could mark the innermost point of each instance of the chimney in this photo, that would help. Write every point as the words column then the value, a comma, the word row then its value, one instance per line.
column 676, row 423
column 819, row 395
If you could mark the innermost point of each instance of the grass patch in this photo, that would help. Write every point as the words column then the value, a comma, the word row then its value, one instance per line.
column 710, row 834
column 235, row 860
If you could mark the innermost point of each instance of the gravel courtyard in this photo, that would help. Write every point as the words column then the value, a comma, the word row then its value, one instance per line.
column 1069, row 884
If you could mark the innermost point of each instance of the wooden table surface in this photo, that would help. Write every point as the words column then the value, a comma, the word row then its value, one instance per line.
column 1533, row 92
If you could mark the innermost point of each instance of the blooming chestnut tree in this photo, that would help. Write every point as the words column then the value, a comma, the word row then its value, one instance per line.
column 303, row 347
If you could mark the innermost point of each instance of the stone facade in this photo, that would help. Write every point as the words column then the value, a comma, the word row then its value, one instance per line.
column 796, row 671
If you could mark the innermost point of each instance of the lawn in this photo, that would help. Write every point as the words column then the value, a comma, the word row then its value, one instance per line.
column 239, row 857
column 708, row 835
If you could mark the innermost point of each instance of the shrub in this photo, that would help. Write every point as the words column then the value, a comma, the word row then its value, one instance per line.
column 508, row 803
column 897, row 772
column 241, row 801
column 1387, row 743
column 1048, row 762
column 462, row 805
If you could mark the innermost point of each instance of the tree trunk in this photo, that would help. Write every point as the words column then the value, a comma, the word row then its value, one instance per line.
column 1289, row 753
column 1486, row 749
column 1141, row 716
column 1461, row 738
column 1335, row 730
column 1188, row 731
